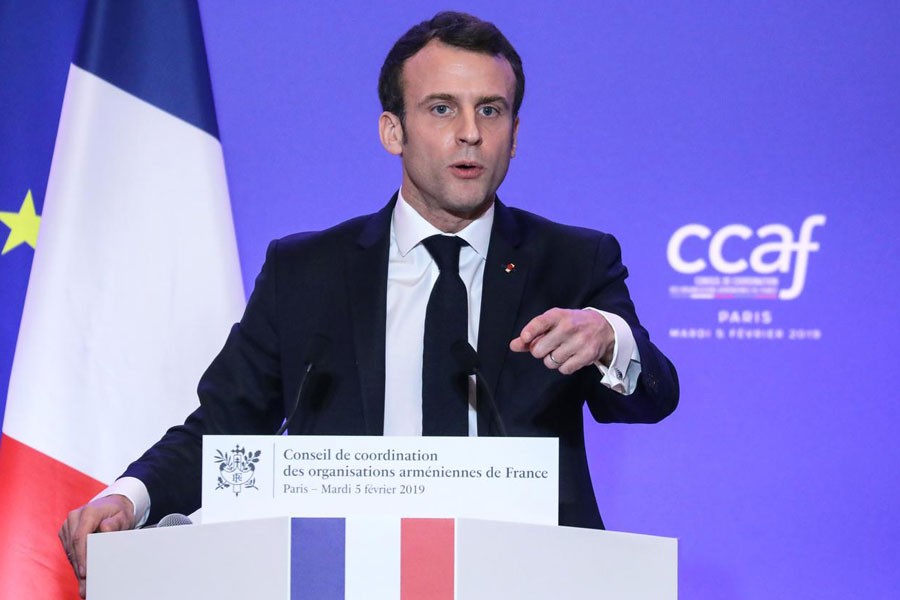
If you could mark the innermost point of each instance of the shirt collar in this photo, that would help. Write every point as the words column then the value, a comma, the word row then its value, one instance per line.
column 410, row 228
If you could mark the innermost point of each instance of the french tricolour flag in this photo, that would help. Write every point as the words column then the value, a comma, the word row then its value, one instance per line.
column 134, row 283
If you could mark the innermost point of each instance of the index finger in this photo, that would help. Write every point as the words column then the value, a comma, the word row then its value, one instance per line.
column 538, row 326
column 87, row 521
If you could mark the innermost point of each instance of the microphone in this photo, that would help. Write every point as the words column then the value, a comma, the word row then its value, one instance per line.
column 315, row 355
column 470, row 364
column 173, row 520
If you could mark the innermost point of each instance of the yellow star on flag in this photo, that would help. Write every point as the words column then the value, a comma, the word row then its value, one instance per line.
column 23, row 225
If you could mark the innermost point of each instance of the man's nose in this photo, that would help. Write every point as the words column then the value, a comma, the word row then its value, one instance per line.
column 469, row 132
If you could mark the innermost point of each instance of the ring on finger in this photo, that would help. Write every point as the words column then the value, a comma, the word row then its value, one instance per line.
column 553, row 360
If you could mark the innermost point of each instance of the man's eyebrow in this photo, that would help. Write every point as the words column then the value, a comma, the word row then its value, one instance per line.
column 495, row 99
column 432, row 97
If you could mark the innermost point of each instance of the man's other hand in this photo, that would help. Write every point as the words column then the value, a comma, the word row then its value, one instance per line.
column 109, row 513
column 567, row 339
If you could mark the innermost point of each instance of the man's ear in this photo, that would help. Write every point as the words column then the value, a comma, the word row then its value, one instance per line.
column 390, row 129
column 515, row 138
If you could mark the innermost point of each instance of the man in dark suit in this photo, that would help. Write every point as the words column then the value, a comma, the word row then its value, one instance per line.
column 548, row 308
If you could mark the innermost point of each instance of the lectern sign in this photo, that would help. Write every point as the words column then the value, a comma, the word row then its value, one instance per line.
column 507, row 479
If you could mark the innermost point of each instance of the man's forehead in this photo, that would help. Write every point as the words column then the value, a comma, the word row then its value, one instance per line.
column 438, row 64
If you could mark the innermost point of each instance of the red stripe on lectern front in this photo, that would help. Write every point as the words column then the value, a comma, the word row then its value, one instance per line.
column 36, row 493
column 426, row 559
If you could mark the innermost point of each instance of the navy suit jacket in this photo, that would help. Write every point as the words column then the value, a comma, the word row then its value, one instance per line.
column 334, row 283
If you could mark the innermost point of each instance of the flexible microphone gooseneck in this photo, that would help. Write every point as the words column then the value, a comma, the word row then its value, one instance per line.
column 470, row 364
column 315, row 357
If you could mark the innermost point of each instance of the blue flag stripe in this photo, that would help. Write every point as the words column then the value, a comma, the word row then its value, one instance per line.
column 318, row 550
column 153, row 50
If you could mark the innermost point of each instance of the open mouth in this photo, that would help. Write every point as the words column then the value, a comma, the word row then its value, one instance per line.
column 467, row 170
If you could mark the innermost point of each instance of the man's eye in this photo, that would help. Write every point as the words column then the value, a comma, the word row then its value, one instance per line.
column 441, row 109
column 489, row 111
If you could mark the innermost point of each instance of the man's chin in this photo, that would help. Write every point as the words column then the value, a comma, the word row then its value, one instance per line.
column 468, row 203
column 469, row 209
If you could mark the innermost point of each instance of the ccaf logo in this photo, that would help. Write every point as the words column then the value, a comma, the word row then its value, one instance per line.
column 738, row 262
column 237, row 469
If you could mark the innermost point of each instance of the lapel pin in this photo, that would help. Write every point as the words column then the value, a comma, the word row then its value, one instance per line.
column 509, row 267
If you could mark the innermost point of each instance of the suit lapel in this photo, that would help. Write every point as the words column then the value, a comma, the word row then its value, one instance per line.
column 505, row 274
column 367, row 281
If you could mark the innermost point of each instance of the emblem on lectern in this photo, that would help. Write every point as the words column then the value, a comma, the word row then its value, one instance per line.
column 237, row 469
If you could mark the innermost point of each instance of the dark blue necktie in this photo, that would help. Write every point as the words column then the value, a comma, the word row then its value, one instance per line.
column 445, row 406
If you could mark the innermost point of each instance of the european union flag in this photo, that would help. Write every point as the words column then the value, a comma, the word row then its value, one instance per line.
column 37, row 40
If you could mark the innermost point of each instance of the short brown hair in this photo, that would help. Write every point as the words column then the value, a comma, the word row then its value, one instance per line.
column 454, row 29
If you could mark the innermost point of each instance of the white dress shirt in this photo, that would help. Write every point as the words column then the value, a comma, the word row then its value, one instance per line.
column 411, row 275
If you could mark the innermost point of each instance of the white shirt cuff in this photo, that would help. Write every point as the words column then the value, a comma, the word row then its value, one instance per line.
column 622, row 373
column 135, row 490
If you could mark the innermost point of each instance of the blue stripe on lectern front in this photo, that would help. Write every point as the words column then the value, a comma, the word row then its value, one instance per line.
column 317, row 558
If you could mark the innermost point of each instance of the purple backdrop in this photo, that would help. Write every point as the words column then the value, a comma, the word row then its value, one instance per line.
column 778, row 471
column 747, row 157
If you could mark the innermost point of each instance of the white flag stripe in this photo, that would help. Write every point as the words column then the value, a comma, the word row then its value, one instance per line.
column 134, row 284
column 372, row 575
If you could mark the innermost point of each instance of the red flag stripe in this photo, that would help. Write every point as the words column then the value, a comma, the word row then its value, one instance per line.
column 426, row 559
column 36, row 493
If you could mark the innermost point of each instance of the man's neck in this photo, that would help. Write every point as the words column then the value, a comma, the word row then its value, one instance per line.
column 411, row 228
column 444, row 220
